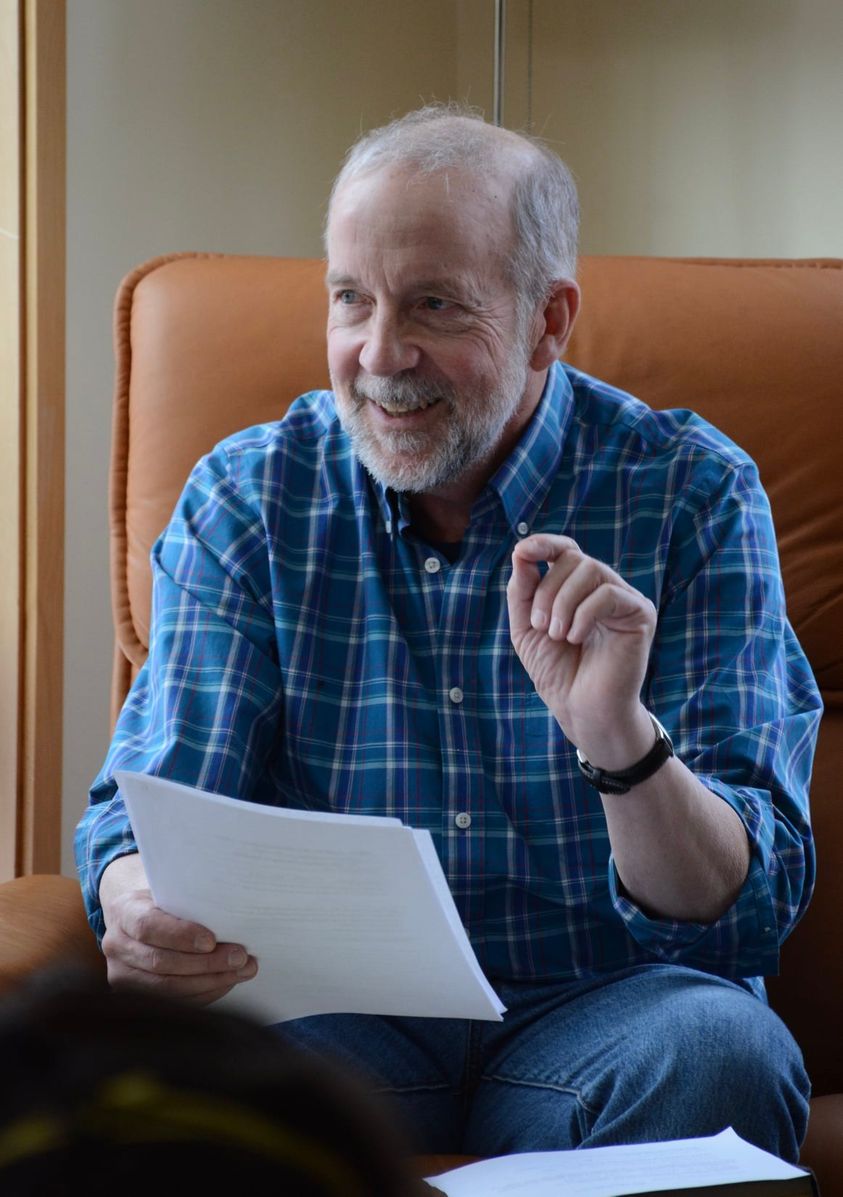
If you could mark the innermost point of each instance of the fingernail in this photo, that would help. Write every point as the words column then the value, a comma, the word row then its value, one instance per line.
column 539, row 620
column 555, row 628
column 236, row 958
column 248, row 970
column 204, row 943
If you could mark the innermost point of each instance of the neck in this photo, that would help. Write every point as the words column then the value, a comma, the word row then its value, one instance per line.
column 440, row 518
column 443, row 514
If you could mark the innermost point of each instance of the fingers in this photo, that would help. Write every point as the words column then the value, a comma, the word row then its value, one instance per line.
column 576, row 594
column 616, row 608
column 526, row 582
column 142, row 920
column 199, row 990
column 145, row 946
column 545, row 547
column 520, row 590
column 226, row 957
column 566, row 585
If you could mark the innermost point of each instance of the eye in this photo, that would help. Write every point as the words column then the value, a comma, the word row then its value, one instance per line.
column 433, row 303
column 347, row 296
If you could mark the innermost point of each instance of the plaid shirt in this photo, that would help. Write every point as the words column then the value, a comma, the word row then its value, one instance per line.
column 309, row 649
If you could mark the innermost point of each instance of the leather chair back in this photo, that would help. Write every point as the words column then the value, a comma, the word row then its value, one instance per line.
column 207, row 344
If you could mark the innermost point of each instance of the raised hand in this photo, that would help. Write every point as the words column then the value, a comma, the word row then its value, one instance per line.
column 583, row 634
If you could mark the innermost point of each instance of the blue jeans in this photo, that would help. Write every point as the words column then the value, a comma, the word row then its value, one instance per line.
column 652, row 1052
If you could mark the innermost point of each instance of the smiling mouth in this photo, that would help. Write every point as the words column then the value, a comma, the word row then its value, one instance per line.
column 397, row 413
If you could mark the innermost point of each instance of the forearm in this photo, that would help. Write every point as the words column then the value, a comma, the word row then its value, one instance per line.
column 681, row 852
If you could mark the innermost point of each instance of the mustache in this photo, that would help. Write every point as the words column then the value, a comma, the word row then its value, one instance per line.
column 399, row 394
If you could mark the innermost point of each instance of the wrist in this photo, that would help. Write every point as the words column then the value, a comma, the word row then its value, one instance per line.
column 617, row 744
column 120, row 876
column 621, row 781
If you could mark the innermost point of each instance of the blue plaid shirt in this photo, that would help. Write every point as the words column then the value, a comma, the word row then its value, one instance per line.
column 309, row 649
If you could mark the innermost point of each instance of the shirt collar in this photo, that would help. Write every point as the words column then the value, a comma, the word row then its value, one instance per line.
column 522, row 482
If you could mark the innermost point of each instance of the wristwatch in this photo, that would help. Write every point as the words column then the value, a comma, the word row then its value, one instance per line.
column 623, row 780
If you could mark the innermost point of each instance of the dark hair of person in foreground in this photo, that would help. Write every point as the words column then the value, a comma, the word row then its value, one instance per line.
column 125, row 1093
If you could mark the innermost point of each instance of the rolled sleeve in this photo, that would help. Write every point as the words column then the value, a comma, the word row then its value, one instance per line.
column 731, row 684
column 743, row 942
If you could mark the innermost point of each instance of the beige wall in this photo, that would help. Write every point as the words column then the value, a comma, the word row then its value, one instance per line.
column 707, row 127
column 693, row 126
column 211, row 125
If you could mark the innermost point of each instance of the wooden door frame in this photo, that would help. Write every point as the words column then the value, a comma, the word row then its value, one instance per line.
column 32, row 418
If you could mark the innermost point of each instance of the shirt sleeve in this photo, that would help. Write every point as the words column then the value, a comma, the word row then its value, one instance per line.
column 206, row 706
column 732, row 685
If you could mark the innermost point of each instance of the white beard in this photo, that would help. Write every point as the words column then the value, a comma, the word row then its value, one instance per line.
column 464, row 434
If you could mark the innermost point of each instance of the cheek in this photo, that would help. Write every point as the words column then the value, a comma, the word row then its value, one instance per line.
column 470, row 367
column 343, row 354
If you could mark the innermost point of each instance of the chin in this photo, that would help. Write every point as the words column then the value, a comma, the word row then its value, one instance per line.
column 409, row 477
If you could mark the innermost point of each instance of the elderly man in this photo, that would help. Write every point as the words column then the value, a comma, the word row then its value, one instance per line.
column 471, row 587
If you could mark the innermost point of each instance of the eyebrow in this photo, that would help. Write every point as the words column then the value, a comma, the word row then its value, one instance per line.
column 447, row 285
column 423, row 286
column 339, row 280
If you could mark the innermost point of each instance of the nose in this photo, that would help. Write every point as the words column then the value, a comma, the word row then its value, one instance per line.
column 387, row 350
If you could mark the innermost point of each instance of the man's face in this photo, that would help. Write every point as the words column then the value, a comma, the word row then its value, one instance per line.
column 426, row 357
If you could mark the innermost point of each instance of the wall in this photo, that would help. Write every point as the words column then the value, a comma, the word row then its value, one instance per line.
column 694, row 127
column 211, row 125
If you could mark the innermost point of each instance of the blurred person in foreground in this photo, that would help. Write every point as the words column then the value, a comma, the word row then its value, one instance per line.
column 128, row 1092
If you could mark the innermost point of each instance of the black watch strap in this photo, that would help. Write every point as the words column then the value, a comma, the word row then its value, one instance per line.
column 623, row 780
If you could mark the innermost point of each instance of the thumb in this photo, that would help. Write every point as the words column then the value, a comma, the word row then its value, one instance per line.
column 520, row 591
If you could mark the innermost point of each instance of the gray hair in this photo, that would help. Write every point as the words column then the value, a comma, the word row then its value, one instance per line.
column 545, row 210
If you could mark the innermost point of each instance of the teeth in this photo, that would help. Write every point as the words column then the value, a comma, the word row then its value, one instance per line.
column 401, row 411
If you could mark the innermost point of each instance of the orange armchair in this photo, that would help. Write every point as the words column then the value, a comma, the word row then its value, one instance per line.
column 207, row 344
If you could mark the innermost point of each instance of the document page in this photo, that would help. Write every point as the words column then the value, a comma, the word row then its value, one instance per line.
column 614, row 1171
column 344, row 913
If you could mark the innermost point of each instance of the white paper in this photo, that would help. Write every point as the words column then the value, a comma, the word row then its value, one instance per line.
column 615, row 1171
column 344, row 913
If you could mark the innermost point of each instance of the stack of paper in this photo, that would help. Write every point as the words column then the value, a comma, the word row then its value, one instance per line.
column 344, row 913
column 721, row 1164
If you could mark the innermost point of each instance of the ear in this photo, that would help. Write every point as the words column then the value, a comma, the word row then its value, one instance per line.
column 555, row 323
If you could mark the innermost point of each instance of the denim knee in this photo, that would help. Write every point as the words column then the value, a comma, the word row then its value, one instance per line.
column 711, row 1055
column 656, row 1052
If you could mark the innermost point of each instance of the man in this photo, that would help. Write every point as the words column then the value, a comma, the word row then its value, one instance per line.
column 460, row 588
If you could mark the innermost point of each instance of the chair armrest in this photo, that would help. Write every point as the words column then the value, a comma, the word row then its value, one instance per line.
column 432, row 1165
column 42, row 923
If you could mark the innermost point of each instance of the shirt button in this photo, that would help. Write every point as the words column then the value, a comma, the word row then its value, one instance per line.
column 433, row 565
column 463, row 820
column 522, row 529
column 389, row 527
column 456, row 694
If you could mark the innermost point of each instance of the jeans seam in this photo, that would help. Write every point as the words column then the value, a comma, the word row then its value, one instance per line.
column 508, row 1080
column 471, row 1062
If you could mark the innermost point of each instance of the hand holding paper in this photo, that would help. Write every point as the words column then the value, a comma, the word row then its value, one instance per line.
column 344, row 913
column 148, row 948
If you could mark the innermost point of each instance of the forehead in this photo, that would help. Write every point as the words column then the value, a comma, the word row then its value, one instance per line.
column 450, row 220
